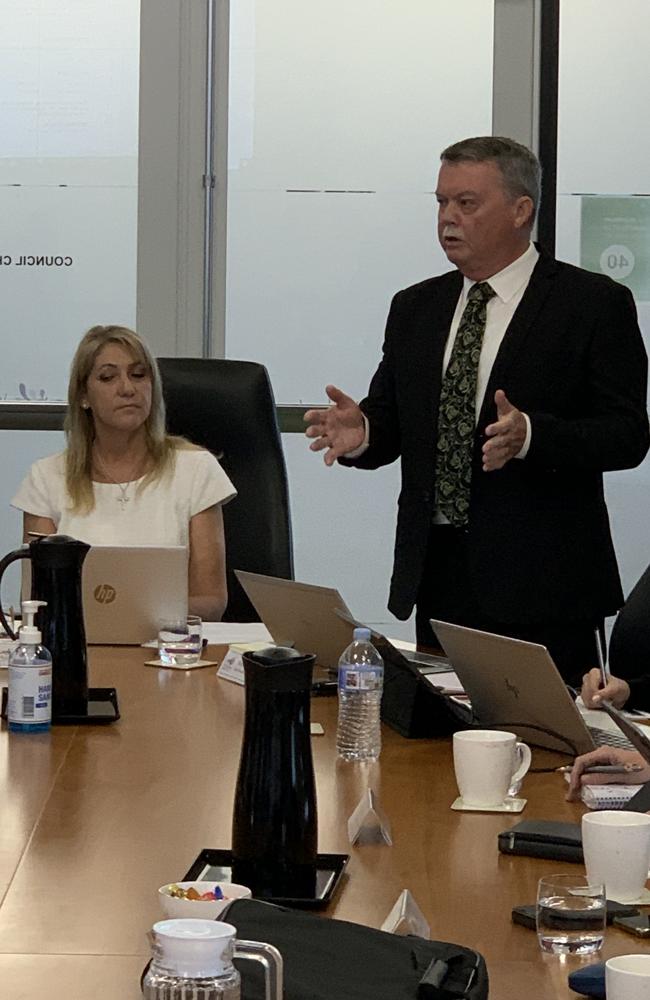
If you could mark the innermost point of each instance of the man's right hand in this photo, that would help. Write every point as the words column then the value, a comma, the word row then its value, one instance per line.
column 616, row 690
column 340, row 428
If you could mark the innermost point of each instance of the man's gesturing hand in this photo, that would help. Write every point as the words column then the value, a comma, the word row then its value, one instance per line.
column 506, row 436
column 340, row 428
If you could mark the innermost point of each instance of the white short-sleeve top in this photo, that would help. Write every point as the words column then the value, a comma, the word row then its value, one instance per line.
column 157, row 514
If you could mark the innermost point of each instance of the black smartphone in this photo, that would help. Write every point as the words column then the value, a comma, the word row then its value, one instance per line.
column 639, row 924
column 620, row 914
column 524, row 915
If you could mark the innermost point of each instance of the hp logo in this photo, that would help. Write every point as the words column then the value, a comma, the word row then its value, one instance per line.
column 104, row 593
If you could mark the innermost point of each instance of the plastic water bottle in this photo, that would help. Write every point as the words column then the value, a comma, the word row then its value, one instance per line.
column 361, row 681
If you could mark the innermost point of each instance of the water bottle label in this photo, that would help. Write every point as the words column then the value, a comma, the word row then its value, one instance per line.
column 30, row 694
column 353, row 679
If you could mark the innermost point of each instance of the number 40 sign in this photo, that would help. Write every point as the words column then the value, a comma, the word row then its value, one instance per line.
column 615, row 239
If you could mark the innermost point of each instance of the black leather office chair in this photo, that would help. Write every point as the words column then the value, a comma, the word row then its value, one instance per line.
column 228, row 408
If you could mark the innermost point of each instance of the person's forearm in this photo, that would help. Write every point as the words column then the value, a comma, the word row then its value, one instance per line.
column 209, row 607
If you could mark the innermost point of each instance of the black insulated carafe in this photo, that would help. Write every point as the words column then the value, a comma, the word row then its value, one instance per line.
column 56, row 579
column 275, row 828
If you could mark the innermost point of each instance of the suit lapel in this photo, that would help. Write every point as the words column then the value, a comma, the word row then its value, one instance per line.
column 435, row 320
column 520, row 329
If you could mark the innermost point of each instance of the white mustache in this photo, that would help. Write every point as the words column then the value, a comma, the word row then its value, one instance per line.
column 450, row 231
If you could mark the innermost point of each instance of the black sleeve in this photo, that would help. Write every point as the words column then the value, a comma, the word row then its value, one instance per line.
column 380, row 405
column 629, row 648
column 613, row 432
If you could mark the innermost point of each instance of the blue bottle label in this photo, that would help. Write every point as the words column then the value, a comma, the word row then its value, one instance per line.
column 30, row 695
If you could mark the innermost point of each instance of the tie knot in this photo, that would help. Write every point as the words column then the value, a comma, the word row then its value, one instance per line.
column 482, row 291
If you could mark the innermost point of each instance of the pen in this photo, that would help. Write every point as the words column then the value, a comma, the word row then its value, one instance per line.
column 603, row 769
column 604, row 673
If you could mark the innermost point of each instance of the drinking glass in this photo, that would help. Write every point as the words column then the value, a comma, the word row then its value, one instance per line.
column 180, row 640
column 570, row 915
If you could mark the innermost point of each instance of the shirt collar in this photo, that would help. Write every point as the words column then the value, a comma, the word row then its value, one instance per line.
column 511, row 279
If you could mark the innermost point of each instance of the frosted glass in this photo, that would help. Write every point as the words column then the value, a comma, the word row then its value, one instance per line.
column 604, row 149
column 338, row 113
column 68, row 181
column 603, row 142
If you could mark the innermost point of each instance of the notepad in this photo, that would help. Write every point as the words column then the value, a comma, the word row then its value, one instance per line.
column 608, row 796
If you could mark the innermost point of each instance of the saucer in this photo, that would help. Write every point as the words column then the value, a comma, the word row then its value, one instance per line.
column 643, row 899
column 509, row 806
column 181, row 666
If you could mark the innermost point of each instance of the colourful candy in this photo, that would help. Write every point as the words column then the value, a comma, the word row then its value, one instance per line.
column 179, row 893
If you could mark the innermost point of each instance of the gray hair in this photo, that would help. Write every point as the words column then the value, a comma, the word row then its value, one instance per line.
column 520, row 169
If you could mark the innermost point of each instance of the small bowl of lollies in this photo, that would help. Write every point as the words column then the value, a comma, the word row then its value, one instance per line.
column 204, row 900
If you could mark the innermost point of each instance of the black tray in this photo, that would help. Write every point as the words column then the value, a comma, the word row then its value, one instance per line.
column 215, row 865
column 102, row 709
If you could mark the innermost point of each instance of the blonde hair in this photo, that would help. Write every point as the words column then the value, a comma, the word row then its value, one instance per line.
column 79, row 424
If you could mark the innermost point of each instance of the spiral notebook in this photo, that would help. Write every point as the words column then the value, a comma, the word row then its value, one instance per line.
column 608, row 796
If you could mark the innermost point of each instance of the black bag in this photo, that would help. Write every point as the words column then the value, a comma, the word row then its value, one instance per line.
column 335, row 960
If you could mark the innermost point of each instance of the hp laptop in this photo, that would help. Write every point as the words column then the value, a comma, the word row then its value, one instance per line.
column 127, row 589
column 300, row 615
column 317, row 620
column 515, row 685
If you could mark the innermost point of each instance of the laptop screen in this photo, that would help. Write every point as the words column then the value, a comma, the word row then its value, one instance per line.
column 127, row 589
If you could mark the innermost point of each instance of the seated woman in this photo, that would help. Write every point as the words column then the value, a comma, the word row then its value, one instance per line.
column 122, row 480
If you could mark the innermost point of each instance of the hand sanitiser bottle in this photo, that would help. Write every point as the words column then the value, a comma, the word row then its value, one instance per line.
column 29, row 708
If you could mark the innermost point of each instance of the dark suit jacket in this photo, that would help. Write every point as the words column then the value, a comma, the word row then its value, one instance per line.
column 573, row 359
column 629, row 646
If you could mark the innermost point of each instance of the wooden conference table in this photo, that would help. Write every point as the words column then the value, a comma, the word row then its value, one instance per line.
column 94, row 820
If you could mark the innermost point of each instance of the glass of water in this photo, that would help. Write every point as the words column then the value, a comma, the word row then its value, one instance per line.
column 180, row 641
column 571, row 914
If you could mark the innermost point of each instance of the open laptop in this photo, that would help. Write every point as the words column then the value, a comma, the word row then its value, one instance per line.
column 127, row 589
column 515, row 685
column 300, row 615
column 316, row 620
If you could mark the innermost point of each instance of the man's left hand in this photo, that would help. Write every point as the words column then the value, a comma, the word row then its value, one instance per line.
column 506, row 436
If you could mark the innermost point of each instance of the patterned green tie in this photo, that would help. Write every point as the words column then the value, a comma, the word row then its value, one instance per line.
column 457, row 412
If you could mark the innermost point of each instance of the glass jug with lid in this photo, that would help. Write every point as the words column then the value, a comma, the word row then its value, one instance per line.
column 193, row 958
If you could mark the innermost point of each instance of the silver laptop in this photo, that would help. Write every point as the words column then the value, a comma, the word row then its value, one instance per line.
column 515, row 685
column 300, row 615
column 127, row 589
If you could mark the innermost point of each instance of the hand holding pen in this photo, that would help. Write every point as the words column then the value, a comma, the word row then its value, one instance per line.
column 607, row 765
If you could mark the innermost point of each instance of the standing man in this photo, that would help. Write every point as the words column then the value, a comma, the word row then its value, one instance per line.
column 507, row 387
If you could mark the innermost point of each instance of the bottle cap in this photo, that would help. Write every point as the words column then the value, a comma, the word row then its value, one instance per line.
column 362, row 634
column 28, row 634
column 194, row 949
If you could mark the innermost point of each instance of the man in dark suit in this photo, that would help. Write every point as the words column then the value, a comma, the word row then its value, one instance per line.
column 507, row 387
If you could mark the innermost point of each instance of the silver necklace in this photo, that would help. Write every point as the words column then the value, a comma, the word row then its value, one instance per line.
column 123, row 499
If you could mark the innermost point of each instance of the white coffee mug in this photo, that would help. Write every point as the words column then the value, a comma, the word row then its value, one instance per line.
column 627, row 977
column 487, row 762
column 616, row 846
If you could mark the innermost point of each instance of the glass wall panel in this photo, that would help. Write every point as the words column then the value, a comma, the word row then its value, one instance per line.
column 604, row 195
column 68, row 196
column 338, row 114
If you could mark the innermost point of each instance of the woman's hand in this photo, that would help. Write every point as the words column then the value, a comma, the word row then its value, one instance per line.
column 637, row 771
column 616, row 690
